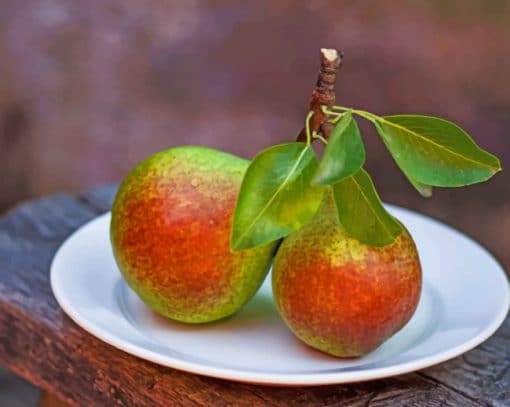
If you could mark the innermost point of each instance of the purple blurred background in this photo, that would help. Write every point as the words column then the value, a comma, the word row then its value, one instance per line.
column 89, row 88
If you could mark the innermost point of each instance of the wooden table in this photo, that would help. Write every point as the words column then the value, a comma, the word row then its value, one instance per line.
column 40, row 343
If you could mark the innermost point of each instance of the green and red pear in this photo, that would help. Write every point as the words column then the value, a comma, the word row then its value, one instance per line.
column 170, row 234
column 342, row 296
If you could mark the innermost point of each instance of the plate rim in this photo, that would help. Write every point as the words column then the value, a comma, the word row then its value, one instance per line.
column 285, row 379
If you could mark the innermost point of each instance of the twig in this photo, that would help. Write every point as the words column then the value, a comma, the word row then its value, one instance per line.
column 324, row 92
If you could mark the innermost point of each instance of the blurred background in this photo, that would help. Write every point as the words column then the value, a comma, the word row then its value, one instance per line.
column 89, row 88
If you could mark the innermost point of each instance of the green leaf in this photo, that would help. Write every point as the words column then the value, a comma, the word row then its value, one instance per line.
column 435, row 152
column 423, row 189
column 276, row 197
column 361, row 212
column 344, row 154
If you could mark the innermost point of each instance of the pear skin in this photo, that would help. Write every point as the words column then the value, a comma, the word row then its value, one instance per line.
column 170, row 234
column 339, row 295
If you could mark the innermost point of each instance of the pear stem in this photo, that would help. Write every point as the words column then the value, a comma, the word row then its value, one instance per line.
column 323, row 93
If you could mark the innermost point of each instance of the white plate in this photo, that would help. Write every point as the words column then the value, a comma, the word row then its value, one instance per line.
column 465, row 299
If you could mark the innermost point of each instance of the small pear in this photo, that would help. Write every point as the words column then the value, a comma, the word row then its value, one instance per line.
column 170, row 234
column 342, row 296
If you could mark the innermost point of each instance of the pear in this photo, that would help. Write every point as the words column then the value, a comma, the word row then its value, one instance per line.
column 339, row 295
column 170, row 234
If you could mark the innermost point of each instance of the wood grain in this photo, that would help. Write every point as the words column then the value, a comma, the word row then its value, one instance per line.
column 40, row 343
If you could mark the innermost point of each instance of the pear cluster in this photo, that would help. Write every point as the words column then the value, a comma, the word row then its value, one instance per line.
column 170, row 233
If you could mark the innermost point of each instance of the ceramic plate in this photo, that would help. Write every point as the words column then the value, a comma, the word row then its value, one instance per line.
column 465, row 299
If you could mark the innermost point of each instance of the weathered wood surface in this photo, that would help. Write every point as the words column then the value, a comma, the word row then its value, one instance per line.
column 38, row 341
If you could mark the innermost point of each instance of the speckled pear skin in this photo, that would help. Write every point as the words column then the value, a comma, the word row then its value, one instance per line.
column 339, row 295
column 170, row 230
